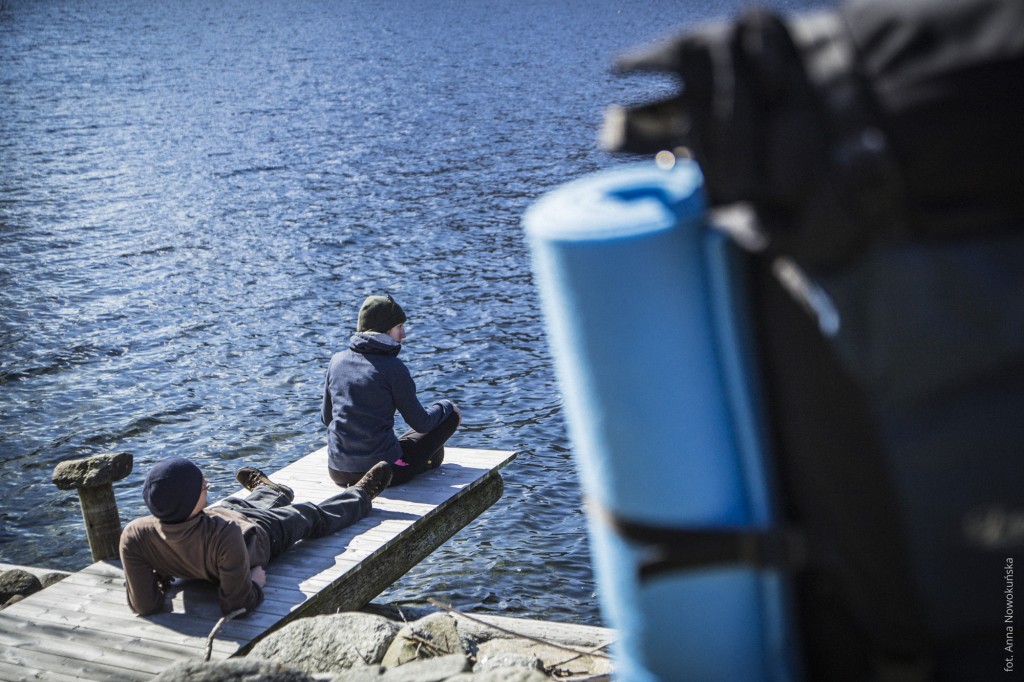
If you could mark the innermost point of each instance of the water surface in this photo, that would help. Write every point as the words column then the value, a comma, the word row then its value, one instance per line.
column 195, row 197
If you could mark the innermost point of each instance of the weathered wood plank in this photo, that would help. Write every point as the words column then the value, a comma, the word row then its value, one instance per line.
column 75, row 667
column 115, row 631
column 23, row 672
column 45, row 644
column 82, row 629
column 109, row 618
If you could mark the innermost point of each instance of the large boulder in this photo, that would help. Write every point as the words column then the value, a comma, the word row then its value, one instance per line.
column 17, row 582
column 329, row 644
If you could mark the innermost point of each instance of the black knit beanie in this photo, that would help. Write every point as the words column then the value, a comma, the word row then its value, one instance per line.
column 379, row 314
column 172, row 489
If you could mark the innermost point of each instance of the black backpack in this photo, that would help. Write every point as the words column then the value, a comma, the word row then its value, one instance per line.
column 877, row 154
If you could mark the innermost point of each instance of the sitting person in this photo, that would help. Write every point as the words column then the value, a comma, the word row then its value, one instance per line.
column 228, row 544
column 365, row 384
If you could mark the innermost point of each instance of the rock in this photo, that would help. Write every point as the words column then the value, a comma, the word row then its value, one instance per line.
column 17, row 582
column 551, row 658
column 232, row 670
column 482, row 627
column 369, row 673
column 334, row 643
column 52, row 578
column 502, row 675
column 428, row 669
column 433, row 635
column 13, row 600
column 507, row 660
column 92, row 471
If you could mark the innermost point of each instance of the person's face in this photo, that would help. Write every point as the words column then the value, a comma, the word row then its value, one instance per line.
column 397, row 333
column 201, row 504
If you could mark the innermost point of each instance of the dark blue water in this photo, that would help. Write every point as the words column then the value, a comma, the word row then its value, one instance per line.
column 196, row 196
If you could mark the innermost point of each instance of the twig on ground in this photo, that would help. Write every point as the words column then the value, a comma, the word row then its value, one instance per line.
column 216, row 629
column 423, row 642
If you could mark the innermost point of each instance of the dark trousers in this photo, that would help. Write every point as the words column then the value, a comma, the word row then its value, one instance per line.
column 420, row 451
column 287, row 523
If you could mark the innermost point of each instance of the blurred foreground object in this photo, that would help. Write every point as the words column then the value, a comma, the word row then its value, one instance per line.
column 880, row 120
column 862, row 354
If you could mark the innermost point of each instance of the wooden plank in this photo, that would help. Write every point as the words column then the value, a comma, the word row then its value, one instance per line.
column 22, row 672
column 108, row 617
column 81, row 628
column 44, row 645
column 74, row 665
column 117, row 631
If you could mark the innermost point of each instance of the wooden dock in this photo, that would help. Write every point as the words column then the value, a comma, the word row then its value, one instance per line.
column 82, row 629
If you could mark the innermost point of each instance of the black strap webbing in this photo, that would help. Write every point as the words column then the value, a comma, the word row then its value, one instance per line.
column 681, row 549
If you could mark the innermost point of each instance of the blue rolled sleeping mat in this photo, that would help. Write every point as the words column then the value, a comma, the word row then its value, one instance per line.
column 649, row 344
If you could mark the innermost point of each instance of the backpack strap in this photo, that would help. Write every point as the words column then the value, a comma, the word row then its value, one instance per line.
column 681, row 549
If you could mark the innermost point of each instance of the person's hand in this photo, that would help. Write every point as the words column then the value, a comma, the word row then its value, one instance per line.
column 259, row 576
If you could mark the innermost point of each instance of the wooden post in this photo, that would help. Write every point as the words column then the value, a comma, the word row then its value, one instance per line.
column 93, row 477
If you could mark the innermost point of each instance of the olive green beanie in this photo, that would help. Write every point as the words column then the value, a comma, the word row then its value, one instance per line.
column 379, row 314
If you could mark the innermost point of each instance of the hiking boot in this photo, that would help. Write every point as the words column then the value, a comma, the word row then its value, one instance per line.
column 436, row 459
column 252, row 478
column 375, row 480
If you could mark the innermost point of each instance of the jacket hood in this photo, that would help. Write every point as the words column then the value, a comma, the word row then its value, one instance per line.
column 369, row 343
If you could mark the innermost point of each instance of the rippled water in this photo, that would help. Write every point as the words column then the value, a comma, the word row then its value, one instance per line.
column 195, row 197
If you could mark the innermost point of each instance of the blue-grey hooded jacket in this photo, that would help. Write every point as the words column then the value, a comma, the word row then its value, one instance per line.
column 365, row 384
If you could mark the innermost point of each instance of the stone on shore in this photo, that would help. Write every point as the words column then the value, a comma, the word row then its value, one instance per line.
column 52, row 577
column 329, row 644
column 509, row 659
column 502, row 675
column 362, row 647
column 559, row 661
column 433, row 635
column 17, row 583
column 435, row 669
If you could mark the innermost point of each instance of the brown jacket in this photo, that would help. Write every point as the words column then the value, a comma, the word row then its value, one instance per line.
column 217, row 545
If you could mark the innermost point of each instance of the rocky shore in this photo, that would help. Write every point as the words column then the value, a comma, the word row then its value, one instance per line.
column 386, row 644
